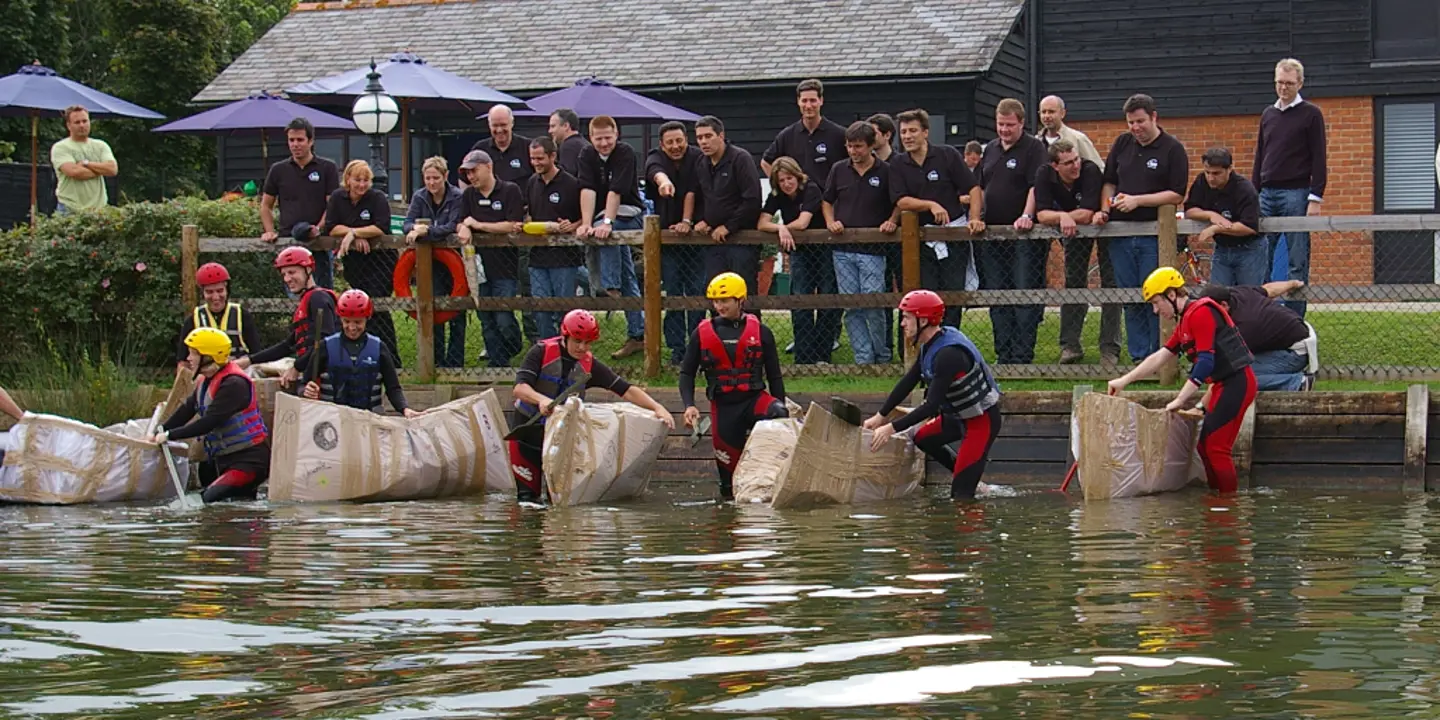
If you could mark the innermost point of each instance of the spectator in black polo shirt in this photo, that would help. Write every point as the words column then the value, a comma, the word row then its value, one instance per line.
column 974, row 150
column 553, row 197
column 858, row 195
column 671, row 170
column 885, row 152
column 931, row 180
column 610, row 200
column 358, row 213
column 565, row 131
column 729, row 196
column 302, row 183
column 1067, row 195
column 1146, row 168
column 812, row 141
column 509, row 152
column 884, row 135
column 1228, row 201
column 1274, row 333
column 1290, row 170
column 1008, row 168
column 795, row 199
column 494, row 206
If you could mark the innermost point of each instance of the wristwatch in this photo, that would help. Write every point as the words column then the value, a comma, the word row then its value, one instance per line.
column 607, row 220
column 686, row 221
column 1029, row 217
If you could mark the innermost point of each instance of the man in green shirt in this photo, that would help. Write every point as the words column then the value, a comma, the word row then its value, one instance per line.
column 81, row 163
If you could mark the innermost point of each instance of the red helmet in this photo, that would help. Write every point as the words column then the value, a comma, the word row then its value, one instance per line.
column 581, row 325
column 924, row 305
column 211, row 274
column 354, row 304
column 295, row 256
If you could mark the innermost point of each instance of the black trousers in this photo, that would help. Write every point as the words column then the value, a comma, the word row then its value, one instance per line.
column 730, row 426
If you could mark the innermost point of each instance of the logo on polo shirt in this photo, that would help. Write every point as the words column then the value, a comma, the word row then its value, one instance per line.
column 1011, row 163
column 314, row 176
column 1152, row 163
column 497, row 205
column 1077, row 197
column 555, row 198
column 933, row 176
column 515, row 163
column 1225, row 214
column 820, row 149
column 364, row 214
column 874, row 181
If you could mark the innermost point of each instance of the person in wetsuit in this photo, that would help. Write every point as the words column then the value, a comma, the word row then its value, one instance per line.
column 962, row 398
column 733, row 349
column 551, row 366
column 1209, row 338
column 357, row 366
column 297, row 265
column 228, row 411
column 218, row 311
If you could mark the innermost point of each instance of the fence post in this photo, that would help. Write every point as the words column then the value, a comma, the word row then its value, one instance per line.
column 909, row 263
column 1417, row 416
column 189, row 263
column 425, row 311
column 653, row 308
column 1167, row 252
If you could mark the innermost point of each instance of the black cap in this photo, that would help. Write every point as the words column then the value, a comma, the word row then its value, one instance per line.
column 301, row 232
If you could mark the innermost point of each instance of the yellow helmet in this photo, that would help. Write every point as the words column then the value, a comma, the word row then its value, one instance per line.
column 210, row 342
column 1161, row 280
column 726, row 285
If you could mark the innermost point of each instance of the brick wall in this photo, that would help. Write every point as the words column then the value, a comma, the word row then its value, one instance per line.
column 1335, row 258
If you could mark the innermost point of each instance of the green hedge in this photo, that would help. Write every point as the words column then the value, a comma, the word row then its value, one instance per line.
column 108, row 281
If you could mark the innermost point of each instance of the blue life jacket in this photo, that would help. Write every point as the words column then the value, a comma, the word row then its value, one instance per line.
column 970, row 395
column 352, row 380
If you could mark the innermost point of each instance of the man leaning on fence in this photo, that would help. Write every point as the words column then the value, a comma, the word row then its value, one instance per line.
column 1290, row 166
column 729, row 196
column 493, row 205
column 1009, row 166
column 553, row 198
column 81, row 165
column 434, row 214
column 1067, row 195
column 610, row 200
column 671, row 170
column 1146, row 168
column 1228, row 202
column 302, row 184
column 858, row 195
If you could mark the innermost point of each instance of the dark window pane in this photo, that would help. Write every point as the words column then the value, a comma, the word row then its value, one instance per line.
column 1407, row 29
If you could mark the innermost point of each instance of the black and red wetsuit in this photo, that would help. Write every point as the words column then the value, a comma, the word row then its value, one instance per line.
column 962, row 402
column 301, row 338
column 1208, row 337
column 738, row 356
column 236, row 439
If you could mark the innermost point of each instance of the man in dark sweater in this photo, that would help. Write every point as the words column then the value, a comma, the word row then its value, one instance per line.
column 1290, row 167
column 1227, row 201
column 728, row 191
column 1277, row 337
column 672, row 170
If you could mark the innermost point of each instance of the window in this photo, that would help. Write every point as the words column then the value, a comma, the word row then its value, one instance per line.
column 1407, row 132
column 1406, row 30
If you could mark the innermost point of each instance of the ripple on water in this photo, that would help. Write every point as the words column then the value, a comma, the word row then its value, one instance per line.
column 163, row 693
column 708, row 558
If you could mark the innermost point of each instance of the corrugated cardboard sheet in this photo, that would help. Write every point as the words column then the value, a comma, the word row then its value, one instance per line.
column 766, row 459
column 323, row 452
column 56, row 460
column 833, row 464
column 1126, row 449
column 600, row 452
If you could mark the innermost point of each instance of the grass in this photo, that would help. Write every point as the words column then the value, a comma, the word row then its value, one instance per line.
column 95, row 391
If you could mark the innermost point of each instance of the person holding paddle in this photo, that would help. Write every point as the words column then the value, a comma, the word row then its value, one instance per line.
column 553, row 370
column 314, row 316
column 225, row 412
column 357, row 366
column 733, row 349
column 962, row 400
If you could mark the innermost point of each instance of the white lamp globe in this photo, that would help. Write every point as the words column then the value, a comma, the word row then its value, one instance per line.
column 375, row 113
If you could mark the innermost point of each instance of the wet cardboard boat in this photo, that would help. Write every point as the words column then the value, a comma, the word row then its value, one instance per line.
column 58, row 461
column 832, row 463
column 1125, row 449
column 600, row 452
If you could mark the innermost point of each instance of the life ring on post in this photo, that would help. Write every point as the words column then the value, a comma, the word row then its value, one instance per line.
column 453, row 262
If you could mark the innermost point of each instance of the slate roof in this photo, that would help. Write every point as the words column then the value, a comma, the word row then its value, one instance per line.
column 653, row 43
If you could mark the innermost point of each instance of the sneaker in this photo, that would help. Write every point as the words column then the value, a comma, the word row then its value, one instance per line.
column 484, row 353
column 790, row 349
column 1070, row 357
column 630, row 347
column 1109, row 359
column 1307, row 384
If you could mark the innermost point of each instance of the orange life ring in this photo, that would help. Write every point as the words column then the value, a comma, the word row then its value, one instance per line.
column 453, row 262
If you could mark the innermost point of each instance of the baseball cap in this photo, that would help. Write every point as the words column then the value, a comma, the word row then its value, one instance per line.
column 475, row 157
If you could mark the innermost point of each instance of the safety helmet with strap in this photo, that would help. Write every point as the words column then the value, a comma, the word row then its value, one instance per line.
column 1162, row 279
column 211, row 343
column 581, row 325
column 211, row 273
column 726, row 285
column 354, row 304
column 295, row 256
column 926, row 306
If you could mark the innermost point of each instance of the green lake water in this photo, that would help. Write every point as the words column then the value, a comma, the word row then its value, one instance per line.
column 1273, row 605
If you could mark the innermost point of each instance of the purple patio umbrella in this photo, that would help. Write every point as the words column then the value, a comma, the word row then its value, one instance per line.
column 259, row 112
column 36, row 90
column 590, row 96
column 413, row 83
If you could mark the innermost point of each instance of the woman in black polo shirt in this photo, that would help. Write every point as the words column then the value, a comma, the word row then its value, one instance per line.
column 796, row 199
column 357, row 214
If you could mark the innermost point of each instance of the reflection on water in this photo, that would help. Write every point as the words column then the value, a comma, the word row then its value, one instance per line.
column 1186, row 606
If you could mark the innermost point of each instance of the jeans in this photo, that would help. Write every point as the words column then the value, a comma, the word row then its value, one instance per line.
column 1077, row 275
column 372, row 272
column 1277, row 202
column 1135, row 258
column 617, row 272
column 681, row 270
column 857, row 273
column 1279, row 370
column 1241, row 264
column 546, row 283
column 449, row 352
column 498, row 327
column 1014, row 265
column 948, row 274
column 812, row 270
column 743, row 260
column 892, row 281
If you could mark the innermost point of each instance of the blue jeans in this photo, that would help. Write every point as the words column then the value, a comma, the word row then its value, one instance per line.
column 682, row 273
column 812, row 270
column 857, row 273
column 1134, row 259
column 1242, row 264
column 551, row 282
column 1014, row 265
column 449, row 351
column 501, row 332
column 1279, row 370
column 1276, row 202
column 617, row 272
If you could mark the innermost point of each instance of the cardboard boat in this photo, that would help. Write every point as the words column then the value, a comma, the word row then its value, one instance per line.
column 58, row 461
column 832, row 463
column 765, row 460
column 324, row 453
column 600, row 452
column 1125, row 449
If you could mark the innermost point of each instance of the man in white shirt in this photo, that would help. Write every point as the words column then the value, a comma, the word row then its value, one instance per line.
column 1053, row 127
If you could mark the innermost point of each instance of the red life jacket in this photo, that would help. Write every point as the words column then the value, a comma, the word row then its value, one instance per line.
column 301, row 332
column 549, row 381
column 742, row 372
column 1231, row 354
column 242, row 430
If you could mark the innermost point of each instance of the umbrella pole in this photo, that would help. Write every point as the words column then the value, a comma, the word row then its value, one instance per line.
column 264, row 153
column 405, row 149
column 34, row 167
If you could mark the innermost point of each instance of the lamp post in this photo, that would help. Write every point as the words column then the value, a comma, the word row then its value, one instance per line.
column 375, row 114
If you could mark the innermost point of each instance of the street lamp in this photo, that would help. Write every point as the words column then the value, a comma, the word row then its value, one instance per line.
column 375, row 114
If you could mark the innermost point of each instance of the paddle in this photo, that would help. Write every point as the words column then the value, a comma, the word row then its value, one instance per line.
column 1065, row 484
column 846, row 411
column 180, row 496
column 701, row 427
column 314, row 375
column 569, row 392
